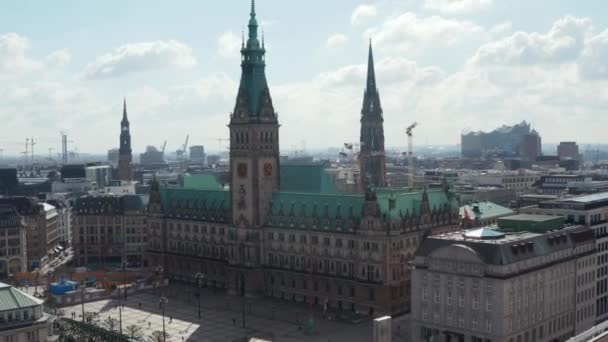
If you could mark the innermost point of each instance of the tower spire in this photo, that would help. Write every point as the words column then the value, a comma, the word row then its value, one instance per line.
column 371, row 73
column 253, row 25
column 124, row 109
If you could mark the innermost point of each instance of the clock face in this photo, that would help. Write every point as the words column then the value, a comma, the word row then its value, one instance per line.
column 124, row 128
column 267, row 169
column 241, row 170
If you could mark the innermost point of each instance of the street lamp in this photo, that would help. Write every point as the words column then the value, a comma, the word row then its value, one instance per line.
column 36, row 275
column 163, row 301
column 50, row 280
column 199, row 279
column 124, row 279
column 159, row 271
column 82, row 286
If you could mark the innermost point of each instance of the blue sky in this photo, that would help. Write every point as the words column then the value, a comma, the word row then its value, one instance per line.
column 451, row 65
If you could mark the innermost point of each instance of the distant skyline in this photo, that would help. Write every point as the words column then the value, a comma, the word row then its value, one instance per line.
column 451, row 65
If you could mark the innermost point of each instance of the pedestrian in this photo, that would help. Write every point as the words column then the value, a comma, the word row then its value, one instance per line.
column 234, row 321
column 148, row 324
column 170, row 319
column 139, row 304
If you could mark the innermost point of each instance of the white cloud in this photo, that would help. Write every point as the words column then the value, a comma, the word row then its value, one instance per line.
column 409, row 32
column 593, row 64
column 457, row 6
column 229, row 44
column 501, row 29
column 139, row 57
column 58, row 58
column 362, row 14
column 336, row 41
column 13, row 58
column 563, row 42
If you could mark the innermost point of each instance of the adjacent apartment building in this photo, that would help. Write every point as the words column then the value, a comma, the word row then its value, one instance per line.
column 42, row 228
column 109, row 230
column 590, row 211
column 13, row 256
column 487, row 285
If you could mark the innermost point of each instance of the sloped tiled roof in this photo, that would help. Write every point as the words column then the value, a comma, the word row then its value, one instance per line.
column 13, row 299
column 196, row 203
column 393, row 204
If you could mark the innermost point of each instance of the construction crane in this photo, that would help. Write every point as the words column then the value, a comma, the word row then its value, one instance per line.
column 180, row 153
column 410, row 153
column 163, row 148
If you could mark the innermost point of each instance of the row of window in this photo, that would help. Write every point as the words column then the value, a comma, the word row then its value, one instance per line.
column 458, row 320
column 177, row 228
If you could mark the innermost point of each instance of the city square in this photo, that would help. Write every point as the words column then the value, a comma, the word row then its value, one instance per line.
column 221, row 318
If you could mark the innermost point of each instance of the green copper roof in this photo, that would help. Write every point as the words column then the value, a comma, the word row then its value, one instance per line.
column 304, row 206
column 334, row 208
column 204, row 181
column 309, row 177
column 484, row 210
column 253, row 89
column 13, row 299
column 397, row 203
column 196, row 203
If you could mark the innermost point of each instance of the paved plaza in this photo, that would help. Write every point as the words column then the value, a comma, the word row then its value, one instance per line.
column 222, row 318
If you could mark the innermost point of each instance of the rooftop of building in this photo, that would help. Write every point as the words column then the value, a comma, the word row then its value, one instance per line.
column 13, row 299
column 484, row 210
column 531, row 217
column 101, row 204
column 602, row 196
column 531, row 222
column 7, row 212
column 497, row 247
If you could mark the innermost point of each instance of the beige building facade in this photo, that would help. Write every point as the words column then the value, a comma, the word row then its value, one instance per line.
column 484, row 285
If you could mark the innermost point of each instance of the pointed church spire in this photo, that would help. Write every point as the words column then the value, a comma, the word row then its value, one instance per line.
column 371, row 155
column 371, row 73
column 124, row 110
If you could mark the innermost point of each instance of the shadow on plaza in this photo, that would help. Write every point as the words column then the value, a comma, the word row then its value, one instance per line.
column 183, row 306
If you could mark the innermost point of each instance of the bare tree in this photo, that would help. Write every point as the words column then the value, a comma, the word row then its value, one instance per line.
column 110, row 323
column 157, row 336
column 134, row 331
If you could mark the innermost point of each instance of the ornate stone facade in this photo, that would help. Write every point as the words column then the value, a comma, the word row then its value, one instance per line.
column 346, row 251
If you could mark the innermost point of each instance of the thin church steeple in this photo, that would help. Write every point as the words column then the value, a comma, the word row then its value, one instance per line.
column 371, row 73
column 371, row 157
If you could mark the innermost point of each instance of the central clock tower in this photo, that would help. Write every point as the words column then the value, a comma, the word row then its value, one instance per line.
column 254, row 137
